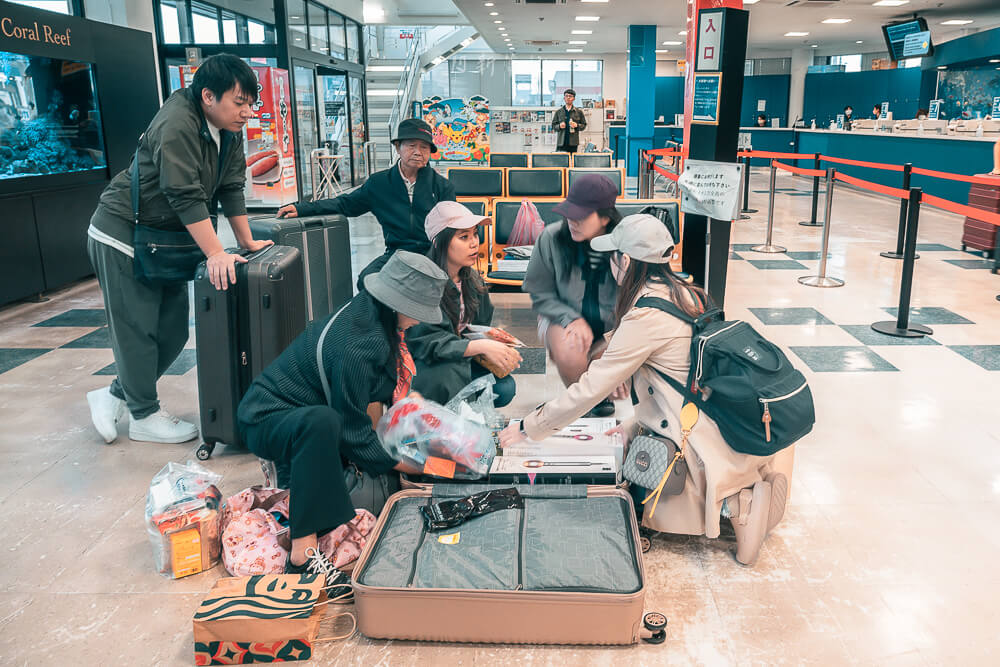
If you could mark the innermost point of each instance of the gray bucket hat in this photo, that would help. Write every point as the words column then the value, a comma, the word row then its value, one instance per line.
column 410, row 284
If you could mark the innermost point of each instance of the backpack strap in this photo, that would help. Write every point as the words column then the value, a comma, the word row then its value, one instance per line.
column 319, row 355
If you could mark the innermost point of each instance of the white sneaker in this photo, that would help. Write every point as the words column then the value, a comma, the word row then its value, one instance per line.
column 105, row 411
column 161, row 427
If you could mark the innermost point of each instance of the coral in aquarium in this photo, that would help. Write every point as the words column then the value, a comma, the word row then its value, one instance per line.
column 37, row 147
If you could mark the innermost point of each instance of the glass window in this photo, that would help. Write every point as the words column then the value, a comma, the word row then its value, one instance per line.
column 465, row 78
column 557, row 76
column 588, row 80
column 435, row 82
column 526, row 77
column 305, row 127
column 297, row 23
column 319, row 40
column 171, row 27
column 257, row 33
column 205, row 23
column 358, row 130
column 353, row 40
column 910, row 62
column 58, row 6
column 229, row 33
column 338, row 39
column 851, row 63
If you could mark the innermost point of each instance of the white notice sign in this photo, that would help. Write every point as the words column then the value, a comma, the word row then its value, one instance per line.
column 711, row 188
column 709, row 41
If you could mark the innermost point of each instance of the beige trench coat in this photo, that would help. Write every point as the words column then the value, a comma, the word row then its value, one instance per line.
column 648, row 340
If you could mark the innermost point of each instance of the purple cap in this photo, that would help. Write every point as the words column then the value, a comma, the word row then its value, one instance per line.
column 589, row 193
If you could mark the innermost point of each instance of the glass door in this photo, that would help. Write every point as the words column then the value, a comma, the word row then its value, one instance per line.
column 335, row 132
column 304, row 80
column 359, row 131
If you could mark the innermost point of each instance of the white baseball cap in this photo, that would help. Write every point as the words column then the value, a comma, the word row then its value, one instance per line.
column 451, row 214
column 642, row 237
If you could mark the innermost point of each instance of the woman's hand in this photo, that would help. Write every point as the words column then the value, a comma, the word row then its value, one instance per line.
column 221, row 269
column 499, row 354
column 288, row 211
column 579, row 335
column 253, row 245
column 622, row 431
column 620, row 393
column 512, row 435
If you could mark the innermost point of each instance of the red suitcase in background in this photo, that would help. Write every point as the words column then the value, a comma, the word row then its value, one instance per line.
column 978, row 234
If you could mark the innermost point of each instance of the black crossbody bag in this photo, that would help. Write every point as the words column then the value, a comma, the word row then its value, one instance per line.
column 163, row 258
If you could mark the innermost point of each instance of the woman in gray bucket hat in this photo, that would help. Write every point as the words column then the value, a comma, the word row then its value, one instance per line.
column 311, row 411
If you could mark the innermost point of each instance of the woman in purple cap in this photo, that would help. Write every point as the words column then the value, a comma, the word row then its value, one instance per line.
column 570, row 283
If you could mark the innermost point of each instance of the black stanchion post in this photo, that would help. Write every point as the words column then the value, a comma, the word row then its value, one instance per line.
column 746, row 186
column 812, row 222
column 903, row 204
column 902, row 328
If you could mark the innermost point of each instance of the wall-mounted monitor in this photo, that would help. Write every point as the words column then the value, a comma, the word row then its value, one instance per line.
column 50, row 122
column 908, row 39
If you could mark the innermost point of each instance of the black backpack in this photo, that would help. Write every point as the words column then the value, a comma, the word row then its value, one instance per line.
column 745, row 383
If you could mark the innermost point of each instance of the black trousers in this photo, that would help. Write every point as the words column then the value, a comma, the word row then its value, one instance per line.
column 567, row 149
column 307, row 441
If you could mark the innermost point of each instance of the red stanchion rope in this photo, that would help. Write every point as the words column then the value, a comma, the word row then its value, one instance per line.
column 967, row 211
column 859, row 163
column 818, row 173
column 664, row 152
column 874, row 187
column 779, row 156
column 982, row 180
column 663, row 172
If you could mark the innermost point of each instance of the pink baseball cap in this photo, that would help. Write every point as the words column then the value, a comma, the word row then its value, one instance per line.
column 451, row 214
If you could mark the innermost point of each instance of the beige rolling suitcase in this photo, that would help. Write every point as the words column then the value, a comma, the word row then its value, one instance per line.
column 565, row 569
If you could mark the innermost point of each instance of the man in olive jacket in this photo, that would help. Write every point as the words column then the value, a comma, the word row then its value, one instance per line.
column 400, row 196
column 189, row 157
column 569, row 122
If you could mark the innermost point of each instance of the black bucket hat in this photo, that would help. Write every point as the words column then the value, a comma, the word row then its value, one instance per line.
column 414, row 128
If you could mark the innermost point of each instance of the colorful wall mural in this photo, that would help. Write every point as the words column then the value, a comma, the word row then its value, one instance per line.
column 966, row 92
column 461, row 127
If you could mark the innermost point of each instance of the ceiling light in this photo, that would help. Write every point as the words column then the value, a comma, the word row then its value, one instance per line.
column 890, row 3
column 796, row 34
column 836, row 21
column 494, row 13
column 662, row 50
column 942, row 67
column 581, row 32
column 672, row 43
column 957, row 22
column 683, row 32
column 588, row 18
column 995, row 60
column 502, row 29
column 815, row 46
column 574, row 50
column 373, row 14
column 860, row 41
column 750, row 2
column 497, row 21
column 577, row 41
column 595, row 0
column 487, row 4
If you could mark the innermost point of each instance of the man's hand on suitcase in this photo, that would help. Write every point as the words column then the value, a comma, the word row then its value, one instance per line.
column 288, row 211
column 221, row 269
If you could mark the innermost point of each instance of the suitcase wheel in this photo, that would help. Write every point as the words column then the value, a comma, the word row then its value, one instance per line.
column 205, row 451
column 644, row 544
column 656, row 628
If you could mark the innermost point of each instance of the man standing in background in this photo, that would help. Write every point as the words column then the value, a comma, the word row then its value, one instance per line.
column 569, row 122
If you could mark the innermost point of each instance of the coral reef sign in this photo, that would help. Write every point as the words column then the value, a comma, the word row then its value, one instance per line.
column 34, row 32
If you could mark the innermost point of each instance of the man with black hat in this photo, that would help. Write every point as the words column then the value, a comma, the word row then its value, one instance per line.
column 568, row 121
column 400, row 196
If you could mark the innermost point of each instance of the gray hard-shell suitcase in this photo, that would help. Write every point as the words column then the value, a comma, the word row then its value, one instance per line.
column 325, row 244
column 239, row 331
column 565, row 569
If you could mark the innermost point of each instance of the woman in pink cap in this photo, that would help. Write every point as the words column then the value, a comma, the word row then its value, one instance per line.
column 445, row 360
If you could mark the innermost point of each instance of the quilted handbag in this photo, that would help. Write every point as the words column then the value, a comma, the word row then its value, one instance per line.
column 647, row 461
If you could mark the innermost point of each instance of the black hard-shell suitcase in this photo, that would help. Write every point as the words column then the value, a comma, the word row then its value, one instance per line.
column 240, row 331
column 325, row 244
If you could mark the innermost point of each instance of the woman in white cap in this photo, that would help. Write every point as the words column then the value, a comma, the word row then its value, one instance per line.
column 308, row 410
column 749, row 490
column 445, row 360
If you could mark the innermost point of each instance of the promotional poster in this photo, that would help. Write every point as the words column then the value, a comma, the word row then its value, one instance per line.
column 461, row 127
column 270, row 146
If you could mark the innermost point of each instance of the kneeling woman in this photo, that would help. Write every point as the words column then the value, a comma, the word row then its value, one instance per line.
column 308, row 409
column 445, row 360
column 749, row 490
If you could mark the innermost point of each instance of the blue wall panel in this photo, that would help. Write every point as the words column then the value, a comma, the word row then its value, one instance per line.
column 773, row 89
column 827, row 94
column 669, row 97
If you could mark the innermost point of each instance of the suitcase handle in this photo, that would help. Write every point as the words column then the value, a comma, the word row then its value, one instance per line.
column 312, row 221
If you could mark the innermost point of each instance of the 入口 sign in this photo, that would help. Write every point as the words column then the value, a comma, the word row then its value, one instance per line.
column 34, row 32
column 711, row 189
column 709, row 58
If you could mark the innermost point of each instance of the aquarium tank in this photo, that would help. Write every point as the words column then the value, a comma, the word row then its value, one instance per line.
column 49, row 117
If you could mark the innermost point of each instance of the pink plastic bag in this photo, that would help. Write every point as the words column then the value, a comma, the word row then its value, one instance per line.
column 253, row 542
column 528, row 225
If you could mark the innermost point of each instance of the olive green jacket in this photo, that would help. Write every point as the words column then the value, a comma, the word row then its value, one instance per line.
column 180, row 171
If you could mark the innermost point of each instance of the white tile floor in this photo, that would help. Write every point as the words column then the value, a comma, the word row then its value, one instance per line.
column 887, row 554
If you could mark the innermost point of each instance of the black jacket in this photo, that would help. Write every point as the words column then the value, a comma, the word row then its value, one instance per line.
column 360, row 366
column 567, row 138
column 384, row 194
column 439, row 353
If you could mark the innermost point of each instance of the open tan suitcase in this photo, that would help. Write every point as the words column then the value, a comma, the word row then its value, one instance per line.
column 567, row 569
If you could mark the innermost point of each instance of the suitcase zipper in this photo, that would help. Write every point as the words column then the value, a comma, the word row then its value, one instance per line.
column 153, row 246
column 766, row 402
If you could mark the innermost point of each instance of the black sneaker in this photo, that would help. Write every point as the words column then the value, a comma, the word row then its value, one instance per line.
column 338, row 584
column 605, row 408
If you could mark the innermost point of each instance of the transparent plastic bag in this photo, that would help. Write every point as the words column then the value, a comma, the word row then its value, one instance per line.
column 434, row 439
column 182, row 519
column 475, row 402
